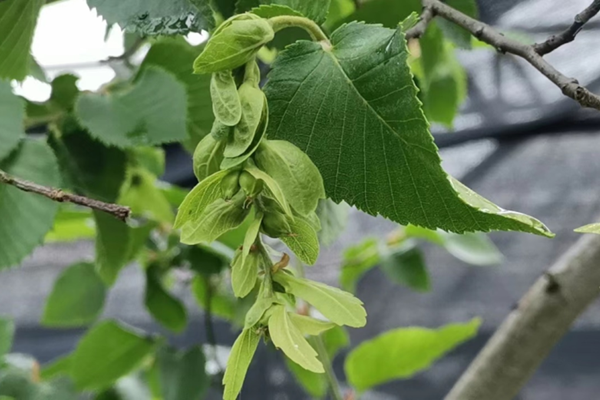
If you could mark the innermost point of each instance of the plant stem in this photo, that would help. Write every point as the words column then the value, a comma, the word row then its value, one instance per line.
column 334, row 385
column 291, row 21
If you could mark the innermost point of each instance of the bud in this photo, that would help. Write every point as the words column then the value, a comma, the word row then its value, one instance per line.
column 207, row 157
column 250, row 184
column 234, row 44
column 230, row 185
column 276, row 225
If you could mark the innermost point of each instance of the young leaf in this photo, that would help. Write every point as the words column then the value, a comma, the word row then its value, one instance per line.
column 358, row 260
column 163, row 306
column 342, row 308
column 156, row 17
column 17, row 23
column 182, row 375
column 591, row 228
column 234, row 44
column 26, row 217
column 107, row 352
column 244, row 272
column 303, row 241
column 472, row 248
column 76, row 299
column 287, row 337
column 239, row 360
column 401, row 353
column 226, row 100
column 251, row 235
column 253, row 103
column 218, row 218
column 113, row 242
column 374, row 149
column 7, row 332
column 407, row 267
column 205, row 193
column 152, row 112
column 310, row 326
column 298, row 177
column 12, row 113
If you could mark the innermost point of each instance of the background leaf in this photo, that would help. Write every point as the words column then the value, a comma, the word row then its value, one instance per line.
column 76, row 299
column 26, row 217
column 12, row 112
column 401, row 353
column 357, row 261
column 182, row 374
column 313, row 9
column 334, row 218
column 164, row 307
column 407, row 267
column 472, row 248
column 17, row 23
column 7, row 332
column 358, row 118
column 113, row 243
column 460, row 36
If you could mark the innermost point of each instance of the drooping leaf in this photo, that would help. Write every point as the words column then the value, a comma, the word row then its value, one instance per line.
column 460, row 36
column 7, row 332
column 240, row 357
column 591, row 228
column 156, row 17
column 177, row 58
column 182, row 374
column 107, row 352
column 407, row 267
column 287, row 337
column 333, row 218
column 205, row 193
column 338, row 306
column 303, row 241
column 401, row 353
column 26, row 217
column 298, row 177
column 313, row 9
column 77, row 298
column 309, row 325
column 357, row 261
column 472, row 248
column 12, row 112
column 356, row 114
column 164, row 307
column 113, row 243
column 17, row 23
column 152, row 112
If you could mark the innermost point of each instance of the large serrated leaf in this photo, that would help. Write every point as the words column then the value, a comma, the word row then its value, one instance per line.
column 157, row 17
column 25, row 218
column 354, row 110
column 239, row 360
column 401, row 353
column 12, row 112
column 17, row 23
column 152, row 112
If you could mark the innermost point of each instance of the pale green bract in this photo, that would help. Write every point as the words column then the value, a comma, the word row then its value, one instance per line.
column 342, row 308
column 302, row 240
column 591, row 228
column 310, row 326
column 205, row 193
column 251, row 235
column 226, row 101
column 207, row 157
column 252, row 108
column 258, row 309
column 244, row 273
column 298, row 177
column 357, row 116
column 273, row 187
column 239, row 360
column 287, row 337
column 234, row 44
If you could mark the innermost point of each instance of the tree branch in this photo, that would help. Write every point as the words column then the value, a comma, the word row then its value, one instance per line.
column 530, row 332
column 419, row 29
column 569, row 86
column 58, row 195
column 555, row 41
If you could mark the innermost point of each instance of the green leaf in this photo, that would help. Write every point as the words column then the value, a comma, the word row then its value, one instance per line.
column 472, row 248
column 17, row 23
column 177, row 58
column 358, row 260
column 142, row 194
column 358, row 118
column 164, row 307
column 57, row 367
column 333, row 218
column 113, row 242
column 310, row 326
column 401, row 353
column 226, row 100
column 251, row 235
column 412, row 231
column 335, row 340
column 156, row 17
column 389, row 13
column 313, row 9
column 244, row 272
column 222, row 305
column 182, row 374
column 12, row 113
column 234, row 44
column 107, row 352
column 460, row 36
column 274, row 10
column 240, row 357
column 294, row 172
column 7, row 332
column 64, row 92
column 303, row 241
column 342, row 308
column 208, row 157
column 338, row 11
column 407, row 267
column 273, row 187
column 26, row 217
column 71, row 225
column 257, row 311
column 151, row 159
column 205, row 193
column 206, row 260
column 252, row 105
column 287, row 337
column 314, row 384
column 591, row 228
column 77, row 298
column 151, row 112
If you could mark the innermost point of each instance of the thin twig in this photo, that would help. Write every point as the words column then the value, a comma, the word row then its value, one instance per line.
column 334, row 386
column 420, row 27
column 58, row 195
column 567, row 36
column 209, row 327
column 485, row 33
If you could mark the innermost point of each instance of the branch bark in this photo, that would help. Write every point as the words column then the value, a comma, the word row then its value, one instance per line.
column 569, row 86
column 567, row 36
column 58, row 195
column 530, row 332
